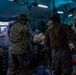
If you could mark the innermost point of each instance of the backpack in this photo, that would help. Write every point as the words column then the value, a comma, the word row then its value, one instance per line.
column 59, row 36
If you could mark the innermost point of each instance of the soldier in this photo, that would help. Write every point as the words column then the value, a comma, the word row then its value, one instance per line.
column 74, row 30
column 20, row 47
column 56, row 40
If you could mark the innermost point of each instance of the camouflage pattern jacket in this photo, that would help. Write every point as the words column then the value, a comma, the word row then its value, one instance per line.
column 19, row 39
column 56, row 51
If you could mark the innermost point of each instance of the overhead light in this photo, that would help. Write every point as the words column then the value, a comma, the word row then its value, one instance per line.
column 60, row 12
column 11, row 0
column 70, row 15
column 4, row 23
column 42, row 6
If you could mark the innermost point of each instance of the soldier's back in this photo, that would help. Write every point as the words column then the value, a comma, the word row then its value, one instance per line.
column 17, row 33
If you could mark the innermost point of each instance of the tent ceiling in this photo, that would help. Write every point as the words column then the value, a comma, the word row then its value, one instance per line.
column 10, row 9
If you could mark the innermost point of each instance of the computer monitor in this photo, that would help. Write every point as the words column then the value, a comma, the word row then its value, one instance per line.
column 3, row 31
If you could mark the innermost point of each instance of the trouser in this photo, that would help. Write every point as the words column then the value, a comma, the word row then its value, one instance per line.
column 62, row 65
column 18, row 65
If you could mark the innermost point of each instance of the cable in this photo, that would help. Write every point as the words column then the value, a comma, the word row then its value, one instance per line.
column 35, row 4
column 19, row 3
column 54, row 7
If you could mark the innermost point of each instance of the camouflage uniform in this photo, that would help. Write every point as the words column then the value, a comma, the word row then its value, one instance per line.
column 61, row 57
column 19, row 50
column 74, row 39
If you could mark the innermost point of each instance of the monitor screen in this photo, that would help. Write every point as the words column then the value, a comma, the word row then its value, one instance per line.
column 3, row 31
